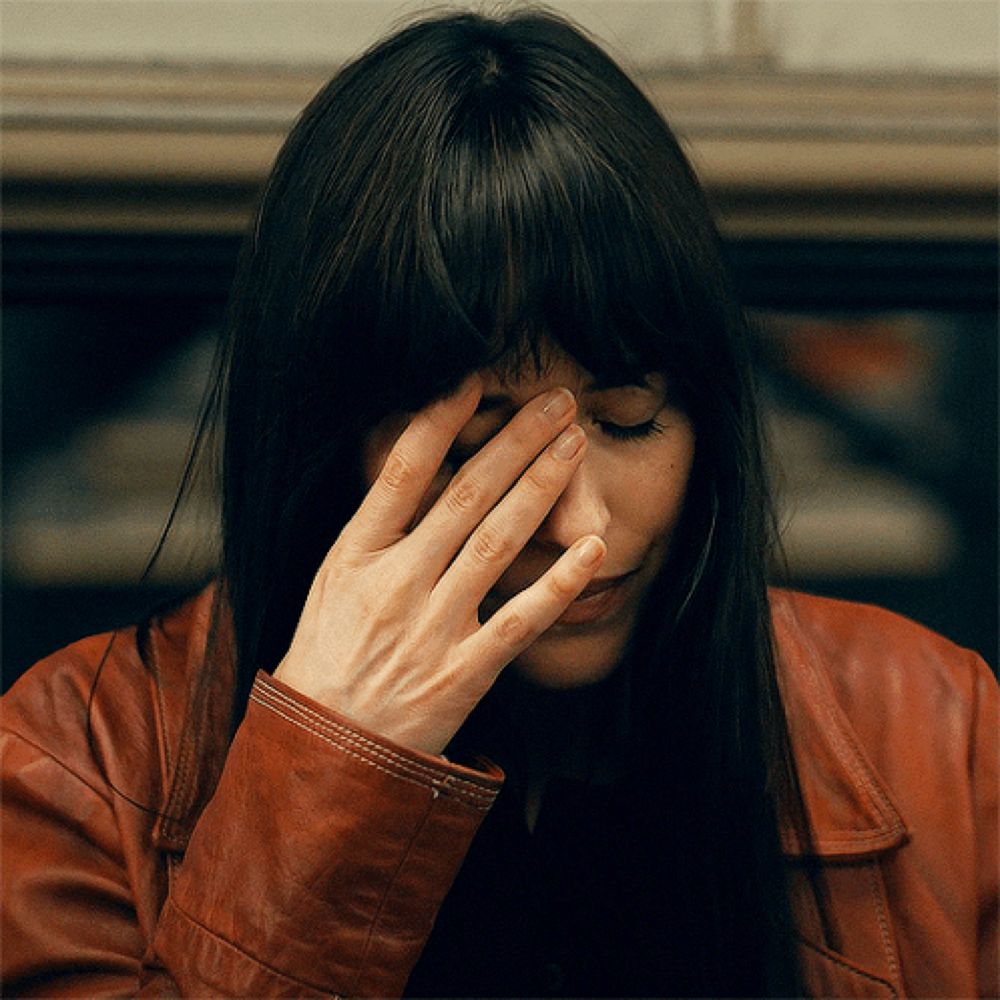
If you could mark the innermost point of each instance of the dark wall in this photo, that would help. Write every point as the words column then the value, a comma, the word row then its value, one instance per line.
column 86, row 318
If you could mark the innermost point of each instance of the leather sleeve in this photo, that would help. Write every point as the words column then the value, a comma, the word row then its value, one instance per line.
column 320, row 863
column 985, row 781
column 316, row 869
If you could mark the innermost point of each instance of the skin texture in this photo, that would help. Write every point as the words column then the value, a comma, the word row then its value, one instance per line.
column 478, row 533
column 628, row 491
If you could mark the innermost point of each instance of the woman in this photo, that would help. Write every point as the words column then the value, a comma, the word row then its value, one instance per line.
column 492, row 698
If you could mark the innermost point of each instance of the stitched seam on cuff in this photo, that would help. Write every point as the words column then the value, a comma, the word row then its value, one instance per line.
column 353, row 736
column 400, row 773
column 360, row 746
column 877, row 890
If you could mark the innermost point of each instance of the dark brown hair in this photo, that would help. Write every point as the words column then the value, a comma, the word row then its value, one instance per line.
column 467, row 188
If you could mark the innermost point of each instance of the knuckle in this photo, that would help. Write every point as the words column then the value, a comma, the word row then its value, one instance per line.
column 562, row 587
column 512, row 628
column 488, row 546
column 397, row 472
column 463, row 494
column 539, row 479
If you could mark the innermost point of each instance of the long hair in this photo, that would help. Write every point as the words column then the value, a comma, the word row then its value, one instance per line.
column 467, row 188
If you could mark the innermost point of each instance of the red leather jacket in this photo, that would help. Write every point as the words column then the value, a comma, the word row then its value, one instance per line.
column 148, row 856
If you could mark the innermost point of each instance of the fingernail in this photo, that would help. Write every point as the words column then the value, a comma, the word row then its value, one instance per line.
column 558, row 404
column 568, row 443
column 590, row 551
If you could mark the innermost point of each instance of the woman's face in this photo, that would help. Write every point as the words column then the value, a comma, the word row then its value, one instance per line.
column 629, row 489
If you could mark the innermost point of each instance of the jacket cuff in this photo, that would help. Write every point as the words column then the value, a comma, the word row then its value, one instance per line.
column 321, row 861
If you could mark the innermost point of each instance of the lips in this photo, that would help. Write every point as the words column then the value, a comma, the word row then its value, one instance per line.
column 594, row 605
column 599, row 600
column 603, row 583
column 593, row 588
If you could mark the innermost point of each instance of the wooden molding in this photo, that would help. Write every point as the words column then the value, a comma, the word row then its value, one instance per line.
column 185, row 148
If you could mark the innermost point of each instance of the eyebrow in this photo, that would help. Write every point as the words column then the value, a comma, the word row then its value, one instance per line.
column 606, row 384
column 492, row 403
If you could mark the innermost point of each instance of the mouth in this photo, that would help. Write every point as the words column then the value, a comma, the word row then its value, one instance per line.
column 600, row 599
column 599, row 585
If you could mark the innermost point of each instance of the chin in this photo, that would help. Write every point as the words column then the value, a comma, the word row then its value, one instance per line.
column 565, row 658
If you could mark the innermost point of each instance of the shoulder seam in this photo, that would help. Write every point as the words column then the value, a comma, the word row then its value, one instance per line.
column 102, row 793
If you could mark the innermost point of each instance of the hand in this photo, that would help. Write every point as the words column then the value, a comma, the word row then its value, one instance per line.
column 389, row 635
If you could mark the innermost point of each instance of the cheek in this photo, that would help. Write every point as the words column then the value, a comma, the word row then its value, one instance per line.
column 673, row 479
column 651, row 491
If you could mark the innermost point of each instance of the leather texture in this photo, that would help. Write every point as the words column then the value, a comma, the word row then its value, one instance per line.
column 146, row 855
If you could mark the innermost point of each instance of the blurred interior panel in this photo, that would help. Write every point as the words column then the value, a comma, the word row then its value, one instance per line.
column 856, row 188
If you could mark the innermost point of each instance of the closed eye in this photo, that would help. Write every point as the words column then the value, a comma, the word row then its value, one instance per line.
column 459, row 454
column 630, row 432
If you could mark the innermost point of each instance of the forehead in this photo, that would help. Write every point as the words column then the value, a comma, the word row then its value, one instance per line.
column 515, row 384
column 528, row 377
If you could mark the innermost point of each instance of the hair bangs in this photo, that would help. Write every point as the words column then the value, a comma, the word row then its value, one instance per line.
column 519, row 237
column 542, row 241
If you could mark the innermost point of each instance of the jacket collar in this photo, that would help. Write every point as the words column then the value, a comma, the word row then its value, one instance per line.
column 191, row 653
column 847, row 803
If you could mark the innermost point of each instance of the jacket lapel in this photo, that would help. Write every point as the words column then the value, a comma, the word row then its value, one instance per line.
column 850, row 812
column 191, row 654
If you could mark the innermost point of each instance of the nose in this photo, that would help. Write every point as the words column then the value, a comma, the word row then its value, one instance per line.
column 581, row 509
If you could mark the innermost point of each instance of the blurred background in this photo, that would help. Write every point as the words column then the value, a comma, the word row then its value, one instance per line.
column 849, row 148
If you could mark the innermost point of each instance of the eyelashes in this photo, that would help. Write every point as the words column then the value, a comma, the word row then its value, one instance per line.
column 630, row 432
column 459, row 455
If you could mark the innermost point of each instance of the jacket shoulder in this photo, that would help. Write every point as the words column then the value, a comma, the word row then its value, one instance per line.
column 887, row 721
column 871, row 654
column 105, row 706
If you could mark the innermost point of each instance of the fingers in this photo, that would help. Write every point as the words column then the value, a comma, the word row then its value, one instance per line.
column 483, row 480
column 519, row 622
column 498, row 540
column 410, row 467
